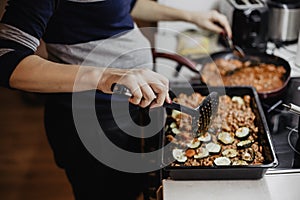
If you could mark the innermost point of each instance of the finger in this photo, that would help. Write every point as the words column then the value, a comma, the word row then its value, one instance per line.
column 213, row 27
column 148, row 96
column 223, row 21
column 165, row 84
column 136, row 97
column 162, row 95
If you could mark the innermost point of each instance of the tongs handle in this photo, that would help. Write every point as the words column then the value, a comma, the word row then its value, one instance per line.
column 175, row 106
column 228, row 41
column 123, row 90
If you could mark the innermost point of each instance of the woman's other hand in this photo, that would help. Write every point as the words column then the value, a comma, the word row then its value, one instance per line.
column 211, row 20
column 153, row 11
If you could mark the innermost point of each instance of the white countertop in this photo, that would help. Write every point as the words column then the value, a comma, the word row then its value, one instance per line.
column 282, row 186
column 288, row 53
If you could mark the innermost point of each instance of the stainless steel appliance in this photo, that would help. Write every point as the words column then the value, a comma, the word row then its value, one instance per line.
column 248, row 19
column 284, row 23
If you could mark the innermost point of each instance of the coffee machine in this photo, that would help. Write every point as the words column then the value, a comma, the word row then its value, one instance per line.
column 248, row 20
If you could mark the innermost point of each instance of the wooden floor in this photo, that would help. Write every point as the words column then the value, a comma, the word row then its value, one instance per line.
column 27, row 168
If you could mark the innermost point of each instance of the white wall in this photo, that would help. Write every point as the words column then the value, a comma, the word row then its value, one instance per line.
column 201, row 5
column 190, row 4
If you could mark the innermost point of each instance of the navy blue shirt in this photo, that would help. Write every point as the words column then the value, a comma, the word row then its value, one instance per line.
column 57, row 21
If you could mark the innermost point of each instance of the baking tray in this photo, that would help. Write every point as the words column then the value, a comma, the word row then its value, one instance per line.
column 224, row 172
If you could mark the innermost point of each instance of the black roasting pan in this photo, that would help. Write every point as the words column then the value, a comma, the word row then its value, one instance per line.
column 223, row 172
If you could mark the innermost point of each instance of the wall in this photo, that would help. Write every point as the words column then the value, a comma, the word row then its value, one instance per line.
column 190, row 4
column 187, row 5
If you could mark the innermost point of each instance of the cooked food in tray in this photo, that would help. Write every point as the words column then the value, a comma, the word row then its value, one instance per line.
column 232, row 72
column 232, row 138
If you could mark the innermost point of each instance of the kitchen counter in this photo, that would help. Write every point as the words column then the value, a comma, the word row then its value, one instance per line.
column 288, row 53
column 277, row 184
column 272, row 186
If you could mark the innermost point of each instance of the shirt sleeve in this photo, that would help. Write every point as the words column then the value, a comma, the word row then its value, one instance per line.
column 132, row 4
column 21, row 27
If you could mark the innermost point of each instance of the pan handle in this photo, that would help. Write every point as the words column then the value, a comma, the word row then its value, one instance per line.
column 182, row 61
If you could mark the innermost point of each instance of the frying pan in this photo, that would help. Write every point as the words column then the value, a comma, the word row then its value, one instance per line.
column 198, row 65
column 259, row 57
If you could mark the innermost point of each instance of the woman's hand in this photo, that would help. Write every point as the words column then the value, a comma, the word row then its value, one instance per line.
column 147, row 87
column 211, row 20
column 153, row 11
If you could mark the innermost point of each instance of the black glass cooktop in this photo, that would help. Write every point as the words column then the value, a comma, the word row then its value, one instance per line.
column 283, row 125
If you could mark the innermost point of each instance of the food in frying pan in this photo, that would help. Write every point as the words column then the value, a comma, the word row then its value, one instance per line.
column 231, row 139
column 232, row 72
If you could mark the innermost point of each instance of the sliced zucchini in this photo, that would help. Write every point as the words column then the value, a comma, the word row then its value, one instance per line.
column 238, row 99
column 226, row 137
column 213, row 147
column 205, row 137
column 222, row 161
column 244, row 144
column 239, row 162
column 201, row 153
column 248, row 155
column 179, row 155
column 173, row 125
column 242, row 132
column 176, row 131
column 230, row 153
column 175, row 114
column 194, row 143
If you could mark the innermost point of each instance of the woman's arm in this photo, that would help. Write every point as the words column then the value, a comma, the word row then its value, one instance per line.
column 148, row 10
column 36, row 74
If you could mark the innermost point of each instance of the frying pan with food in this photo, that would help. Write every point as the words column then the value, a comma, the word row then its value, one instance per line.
column 255, row 61
column 199, row 66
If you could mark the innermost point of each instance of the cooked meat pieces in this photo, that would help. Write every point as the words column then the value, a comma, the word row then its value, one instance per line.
column 264, row 77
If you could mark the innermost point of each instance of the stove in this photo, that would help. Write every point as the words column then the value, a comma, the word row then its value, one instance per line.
column 283, row 126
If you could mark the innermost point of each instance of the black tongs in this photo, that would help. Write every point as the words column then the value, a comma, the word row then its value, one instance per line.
column 237, row 50
column 201, row 115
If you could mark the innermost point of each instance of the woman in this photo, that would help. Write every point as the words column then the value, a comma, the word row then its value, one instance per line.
column 92, row 44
